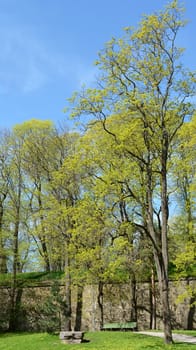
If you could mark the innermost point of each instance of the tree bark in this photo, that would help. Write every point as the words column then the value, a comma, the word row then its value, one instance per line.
column 3, row 256
column 133, row 299
column 78, row 321
column 42, row 236
column 152, row 301
column 159, row 240
column 189, row 320
column 16, row 269
column 100, row 302
column 164, row 278
column 15, row 310
column 67, row 297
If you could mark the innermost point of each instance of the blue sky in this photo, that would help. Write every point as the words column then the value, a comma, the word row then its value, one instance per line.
column 48, row 48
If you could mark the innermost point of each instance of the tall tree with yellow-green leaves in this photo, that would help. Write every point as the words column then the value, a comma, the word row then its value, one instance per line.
column 43, row 151
column 37, row 152
column 16, row 213
column 104, row 215
column 142, row 100
column 62, row 196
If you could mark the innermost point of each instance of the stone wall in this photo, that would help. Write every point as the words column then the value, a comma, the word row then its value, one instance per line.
column 117, row 305
column 116, row 301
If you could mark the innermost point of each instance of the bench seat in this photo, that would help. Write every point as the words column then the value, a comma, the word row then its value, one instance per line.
column 119, row 326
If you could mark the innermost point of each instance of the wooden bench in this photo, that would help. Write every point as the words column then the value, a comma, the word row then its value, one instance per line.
column 119, row 326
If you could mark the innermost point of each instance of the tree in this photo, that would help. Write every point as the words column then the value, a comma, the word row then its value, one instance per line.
column 142, row 101
column 63, row 194
column 36, row 156
column 16, row 211
column 4, row 188
column 43, row 151
column 105, row 248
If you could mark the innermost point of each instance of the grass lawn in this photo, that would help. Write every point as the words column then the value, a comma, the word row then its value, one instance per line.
column 97, row 341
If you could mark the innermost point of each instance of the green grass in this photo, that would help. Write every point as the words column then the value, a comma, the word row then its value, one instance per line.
column 30, row 278
column 97, row 341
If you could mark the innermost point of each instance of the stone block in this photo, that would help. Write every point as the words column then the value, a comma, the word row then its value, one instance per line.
column 71, row 337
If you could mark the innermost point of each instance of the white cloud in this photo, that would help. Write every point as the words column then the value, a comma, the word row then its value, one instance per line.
column 26, row 64
column 21, row 62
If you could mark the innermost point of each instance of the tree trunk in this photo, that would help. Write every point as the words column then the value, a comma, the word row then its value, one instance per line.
column 45, row 254
column 12, row 315
column 16, row 268
column 191, row 314
column 100, row 302
column 67, row 297
column 3, row 256
column 164, row 279
column 133, row 300
column 15, row 309
column 78, row 321
column 152, row 301
column 159, row 240
column 166, row 312
column 189, row 320
column 42, row 236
